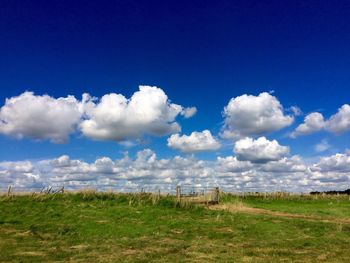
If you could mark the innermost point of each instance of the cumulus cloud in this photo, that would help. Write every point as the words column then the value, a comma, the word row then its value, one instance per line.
column 195, row 142
column 21, row 166
column 249, row 115
column 260, row 150
column 40, row 117
column 20, row 173
column 313, row 122
column 117, row 118
column 113, row 117
column 339, row 122
column 286, row 174
column 104, row 165
column 145, row 169
column 285, row 165
column 232, row 164
column 339, row 162
column 332, row 170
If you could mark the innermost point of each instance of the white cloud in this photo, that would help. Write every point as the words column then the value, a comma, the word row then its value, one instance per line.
column 104, row 165
column 62, row 161
column 296, row 110
column 286, row 174
column 147, row 171
column 334, row 163
column 116, row 118
column 332, row 171
column 249, row 115
column 260, row 150
column 322, row 146
column 285, row 165
column 233, row 165
column 189, row 112
column 21, row 166
column 20, row 173
column 313, row 122
column 196, row 142
column 337, row 123
column 40, row 117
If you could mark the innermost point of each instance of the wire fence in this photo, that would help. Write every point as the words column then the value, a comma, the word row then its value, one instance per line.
column 186, row 189
column 53, row 189
column 197, row 194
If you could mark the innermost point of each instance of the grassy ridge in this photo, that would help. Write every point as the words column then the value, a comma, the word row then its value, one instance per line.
column 101, row 227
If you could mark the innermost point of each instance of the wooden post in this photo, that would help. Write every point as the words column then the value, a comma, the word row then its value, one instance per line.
column 62, row 189
column 178, row 193
column 9, row 190
column 216, row 195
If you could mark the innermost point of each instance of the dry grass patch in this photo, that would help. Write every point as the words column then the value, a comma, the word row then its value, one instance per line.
column 241, row 208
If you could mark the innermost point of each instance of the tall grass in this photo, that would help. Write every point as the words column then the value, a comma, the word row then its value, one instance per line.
column 131, row 199
column 282, row 196
column 145, row 198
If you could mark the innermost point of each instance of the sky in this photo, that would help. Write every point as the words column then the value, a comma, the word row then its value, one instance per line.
column 246, row 95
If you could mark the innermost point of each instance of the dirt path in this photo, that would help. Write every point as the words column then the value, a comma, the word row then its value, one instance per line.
column 234, row 208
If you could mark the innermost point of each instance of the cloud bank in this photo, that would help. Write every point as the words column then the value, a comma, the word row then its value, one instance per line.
column 147, row 171
column 258, row 163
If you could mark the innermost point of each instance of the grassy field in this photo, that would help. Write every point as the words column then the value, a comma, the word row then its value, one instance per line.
column 91, row 227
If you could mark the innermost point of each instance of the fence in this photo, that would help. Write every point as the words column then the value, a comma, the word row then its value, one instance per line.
column 188, row 193
column 10, row 190
column 56, row 189
column 193, row 194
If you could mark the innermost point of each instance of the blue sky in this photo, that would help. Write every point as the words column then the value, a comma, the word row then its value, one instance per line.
column 200, row 53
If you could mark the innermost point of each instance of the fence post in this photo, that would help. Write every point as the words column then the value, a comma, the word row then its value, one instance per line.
column 217, row 195
column 178, row 193
column 9, row 190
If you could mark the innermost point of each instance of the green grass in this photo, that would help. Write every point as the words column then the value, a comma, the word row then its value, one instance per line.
column 91, row 227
